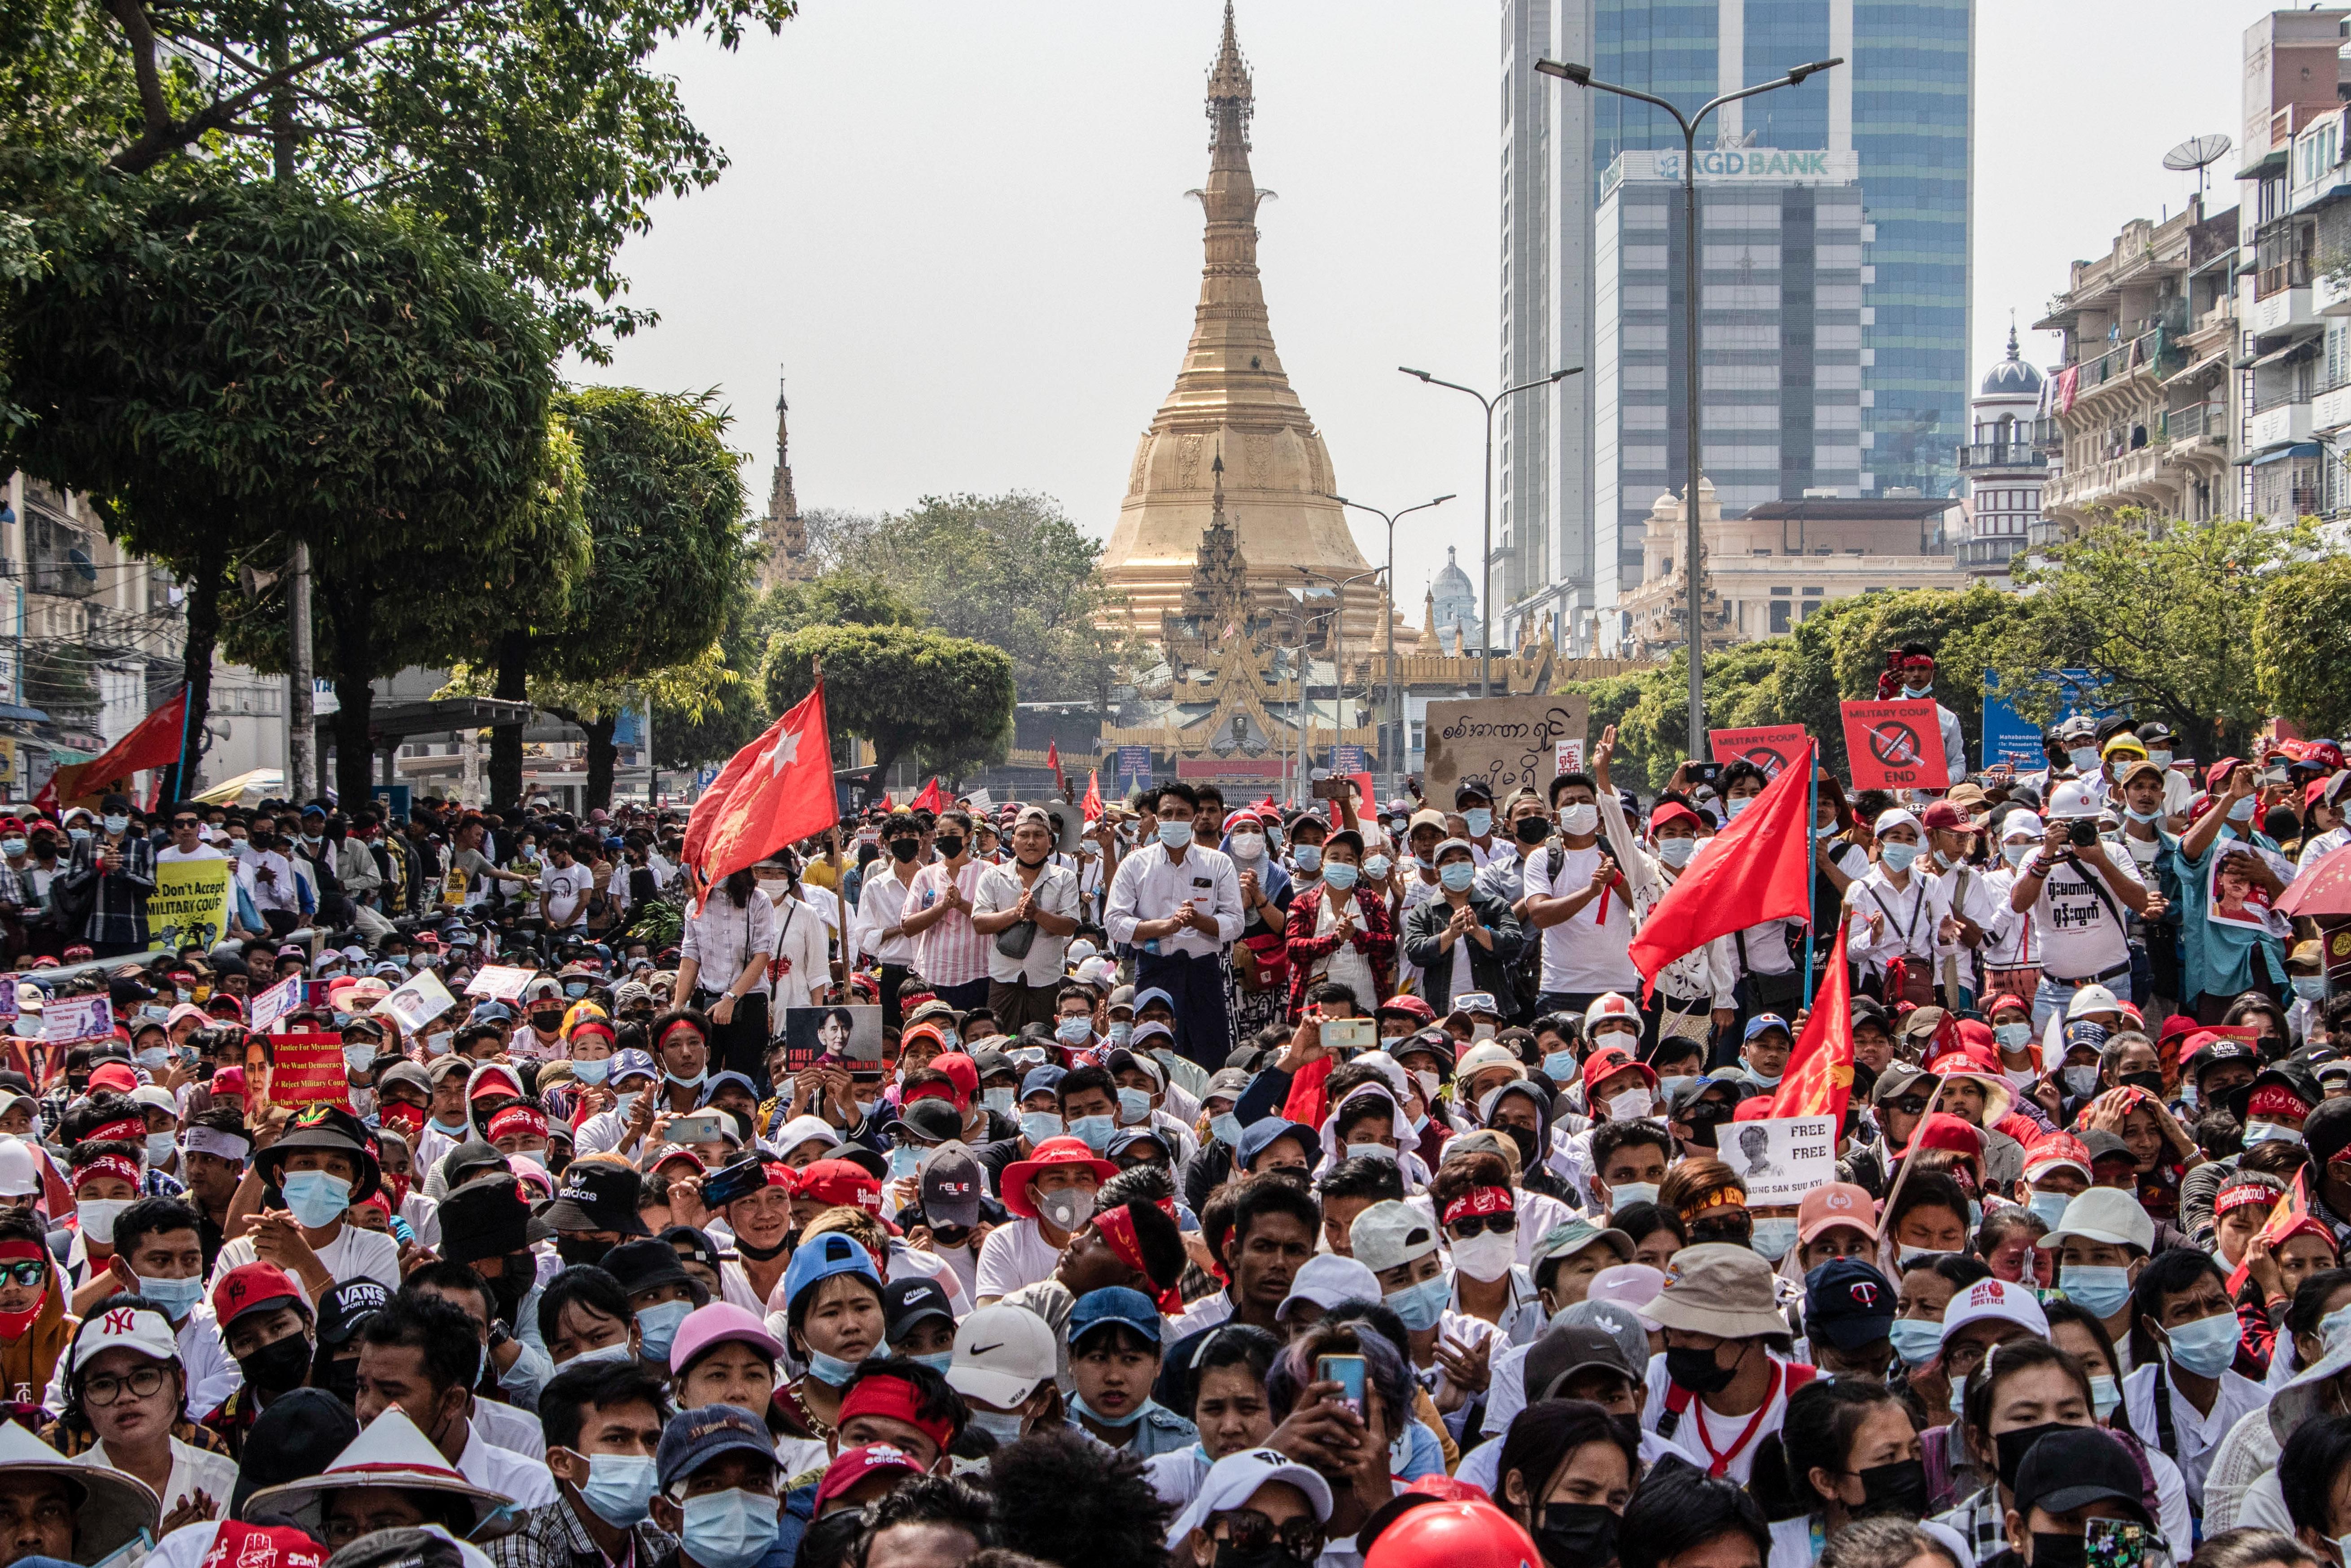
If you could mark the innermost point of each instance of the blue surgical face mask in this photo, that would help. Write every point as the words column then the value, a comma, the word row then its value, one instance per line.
column 1133, row 1106
column 1038, row 1126
column 1915, row 1340
column 177, row 1297
column 358, row 1055
column 317, row 1199
column 1824, row 830
column 591, row 1071
column 831, row 1370
column 623, row 1101
column 1676, row 852
column 2012, row 1036
column 2309, row 987
column 1915, row 693
column 998, row 1100
column 1457, row 875
column 1896, row 855
column 1626, row 1193
column 1120, row 1031
column 937, row 1361
column 155, row 1056
column 1558, row 1066
column 1309, row 859
column 1668, row 1087
column 2206, row 1346
column 1377, row 868
column 1004, row 1425
column 2242, row 811
column 731, row 1529
column 1479, row 821
column 2101, row 1292
column 1755, row 1073
column 657, row 1328
column 1735, row 805
column 620, row 1487
column 161, row 1147
column 1176, row 835
column 1074, row 1030
column 2084, row 758
column 2048, row 1206
column 2160, row 759
column 2263, row 1132
column 1774, row 1234
column 905, row 1160
column 2016, row 852
column 1340, row 875
column 118, row 824
column 1419, row 1306
column 2142, row 816
column 1095, row 1132
column 79, row 835
column 1226, row 1128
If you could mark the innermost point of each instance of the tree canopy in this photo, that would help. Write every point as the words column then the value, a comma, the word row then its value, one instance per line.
column 943, row 703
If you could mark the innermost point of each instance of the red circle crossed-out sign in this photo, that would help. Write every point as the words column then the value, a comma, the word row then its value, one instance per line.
column 1894, row 743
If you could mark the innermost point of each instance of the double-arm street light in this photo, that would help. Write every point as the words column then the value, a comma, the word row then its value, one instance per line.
column 1396, row 714
column 1485, row 551
column 1581, row 76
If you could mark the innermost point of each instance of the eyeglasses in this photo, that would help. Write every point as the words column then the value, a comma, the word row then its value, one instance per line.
column 1251, row 1533
column 1470, row 1225
column 1909, row 1104
column 27, row 1274
column 105, row 1388
column 179, row 822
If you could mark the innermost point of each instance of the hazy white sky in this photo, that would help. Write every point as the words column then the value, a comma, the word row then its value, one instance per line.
column 960, row 230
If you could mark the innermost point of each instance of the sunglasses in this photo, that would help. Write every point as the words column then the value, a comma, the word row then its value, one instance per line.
column 1470, row 1225
column 1251, row 1532
column 27, row 1274
column 1909, row 1104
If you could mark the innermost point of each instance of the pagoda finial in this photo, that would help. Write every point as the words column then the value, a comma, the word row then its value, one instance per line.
column 1216, row 495
column 2012, row 338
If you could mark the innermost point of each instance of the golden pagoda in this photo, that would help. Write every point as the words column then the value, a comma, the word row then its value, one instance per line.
column 1233, row 415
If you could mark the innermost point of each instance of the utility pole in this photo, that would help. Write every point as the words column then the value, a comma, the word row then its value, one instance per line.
column 301, row 730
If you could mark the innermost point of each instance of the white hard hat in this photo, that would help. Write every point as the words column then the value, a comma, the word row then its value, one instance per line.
column 1610, row 1005
column 2074, row 798
column 2090, row 1000
column 20, row 1172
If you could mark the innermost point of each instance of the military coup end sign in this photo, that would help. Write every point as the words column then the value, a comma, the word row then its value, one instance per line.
column 1770, row 747
column 1895, row 745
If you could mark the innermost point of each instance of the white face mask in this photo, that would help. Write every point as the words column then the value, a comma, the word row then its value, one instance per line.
column 1580, row 820
column 1248, row 846
column 1484, row 1256
column 1631, row 1105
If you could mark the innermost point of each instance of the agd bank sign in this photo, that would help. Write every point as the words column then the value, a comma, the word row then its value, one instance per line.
column 1770, row 163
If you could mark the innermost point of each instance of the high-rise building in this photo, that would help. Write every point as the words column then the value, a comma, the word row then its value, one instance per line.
column 1902, row 105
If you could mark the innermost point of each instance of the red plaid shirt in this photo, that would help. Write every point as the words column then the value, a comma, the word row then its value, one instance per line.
column 1374, row 938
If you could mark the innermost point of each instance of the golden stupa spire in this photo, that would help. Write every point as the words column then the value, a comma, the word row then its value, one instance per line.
column 1231, row 398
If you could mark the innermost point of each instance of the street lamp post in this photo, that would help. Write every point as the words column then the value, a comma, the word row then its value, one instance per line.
column 1693, row 546
column 1339, row 650
column 1395, row 715
column 1486, row 555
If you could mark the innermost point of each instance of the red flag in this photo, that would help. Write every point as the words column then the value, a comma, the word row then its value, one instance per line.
column 779, row 791
column 1819, row 1075
column 153, row 742
column 933, row 799
column 1053, row 759
column 1758, row 868
column 1093, row 804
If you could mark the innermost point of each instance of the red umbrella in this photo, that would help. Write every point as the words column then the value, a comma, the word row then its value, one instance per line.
column 2324, row 889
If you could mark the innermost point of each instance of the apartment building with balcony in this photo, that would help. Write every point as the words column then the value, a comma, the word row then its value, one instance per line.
column 90, row 638
column 2140, row 411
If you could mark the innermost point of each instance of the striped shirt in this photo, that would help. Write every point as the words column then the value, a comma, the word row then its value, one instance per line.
column 949, row 952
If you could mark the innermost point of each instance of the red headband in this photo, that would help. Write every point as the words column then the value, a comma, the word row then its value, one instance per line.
column 109, row 1165
column 1479, row 1200
column 593, row 1026
column 517, row 1118
column 1116, row 1227
column 2244, row 1195
column 675, row 1025
column 893, row 1397
column 20, row 1251
column 130, row 1130
column 2276, row 1100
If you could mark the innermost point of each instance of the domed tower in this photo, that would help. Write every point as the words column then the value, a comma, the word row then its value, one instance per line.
column 2003, row 468
column 1232, row 400
column 1453, row 606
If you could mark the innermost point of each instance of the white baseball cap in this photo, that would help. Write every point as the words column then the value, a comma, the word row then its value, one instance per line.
column 1389, row 1233
column 2108, row 1215
column 1235, row 1479
column 20, row 1169
column 1994, row 1298
column 142, row 1329
column 1001, row 1353
column 1326, row 1279
column 2017, row 824
column 1486, row 1053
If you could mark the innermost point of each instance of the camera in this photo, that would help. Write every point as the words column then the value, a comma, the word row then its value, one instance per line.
column 2082, row 831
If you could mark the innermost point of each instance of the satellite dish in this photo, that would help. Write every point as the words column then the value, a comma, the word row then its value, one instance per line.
column 2200, row 154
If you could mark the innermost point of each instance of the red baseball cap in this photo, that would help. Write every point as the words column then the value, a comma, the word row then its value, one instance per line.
column 1611, row 1060
column 855, row 1464
column 117, row 1076
column 963, row 1071
column 841, row 1184
column 254, row 1288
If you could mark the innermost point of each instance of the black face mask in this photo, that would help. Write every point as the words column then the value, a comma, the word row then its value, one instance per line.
column 510, row 1286
column 948, row 847
column 2060, row 1551
column 280, row 1365
column 1524, row 1137
column 1703, row 1118
column 578, row 1251
column 1576, row 1535
column 903, row 850
column 1899, row 1487
column 1696, row 1370
column 1530, row 830
column 341, row 1379
column 2150, row 1082
column 547, row 1022
column 2014, row 1446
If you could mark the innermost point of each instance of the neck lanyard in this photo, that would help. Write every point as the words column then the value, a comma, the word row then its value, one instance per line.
column 1721, row 1461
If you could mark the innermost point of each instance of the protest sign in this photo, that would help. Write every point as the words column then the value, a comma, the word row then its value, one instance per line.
column 849, row 1034
column 1770, row 747
column 1568, row 758
column 70, row 1021
column 1895, row 745
column 1779, row 1160
column 502, row 982
column 1508, row 743
column 191, row 903
column 276, row 1002
column 2232, row 897
column 308, row 1069
column 417, row 1003
column 8, row 1008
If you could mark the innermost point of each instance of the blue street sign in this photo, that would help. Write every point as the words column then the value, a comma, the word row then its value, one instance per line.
column 2009, row 738
column 1134, row 763
column 1348, row 759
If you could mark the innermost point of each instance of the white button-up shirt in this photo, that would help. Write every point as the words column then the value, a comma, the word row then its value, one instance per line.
column 722, row 938
column 1150, row 884
column 881, row 904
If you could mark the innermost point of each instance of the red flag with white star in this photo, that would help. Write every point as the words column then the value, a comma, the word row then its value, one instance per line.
column 777, row 791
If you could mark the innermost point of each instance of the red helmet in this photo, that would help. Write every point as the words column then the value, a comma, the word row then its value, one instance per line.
column 1454, row 1535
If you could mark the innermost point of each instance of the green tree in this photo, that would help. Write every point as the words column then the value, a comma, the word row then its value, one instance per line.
column 1836, row 654
column 537, row 137
column 2301, row 644
column 1009, row 570
column 2165, row 614
column 234, row 366
column 943, row 703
